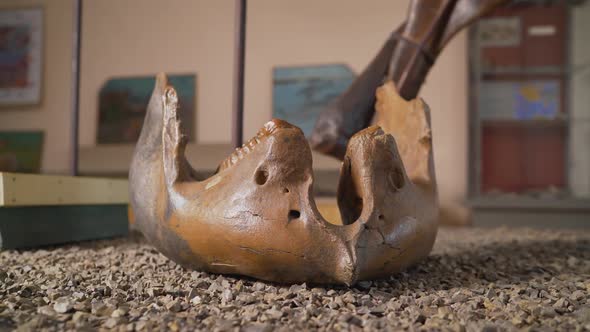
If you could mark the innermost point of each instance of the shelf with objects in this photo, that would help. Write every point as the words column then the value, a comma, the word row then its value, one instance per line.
column 530, row 117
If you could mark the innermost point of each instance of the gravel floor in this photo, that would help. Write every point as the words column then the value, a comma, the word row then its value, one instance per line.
column 475, row 280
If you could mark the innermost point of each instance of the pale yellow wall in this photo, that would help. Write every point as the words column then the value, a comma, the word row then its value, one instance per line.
column 143, row 37
column 54, row 113
column 139, row 37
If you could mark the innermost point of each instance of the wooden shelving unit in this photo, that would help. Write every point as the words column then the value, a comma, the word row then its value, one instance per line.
column 511, row 157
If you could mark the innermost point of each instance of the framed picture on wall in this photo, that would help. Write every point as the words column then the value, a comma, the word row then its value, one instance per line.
column 21, row 151
column 301, row 93
column 123, row 101
column 21, row 51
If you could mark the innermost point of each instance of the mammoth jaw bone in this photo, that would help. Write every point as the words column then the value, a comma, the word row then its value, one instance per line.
column 257, row 216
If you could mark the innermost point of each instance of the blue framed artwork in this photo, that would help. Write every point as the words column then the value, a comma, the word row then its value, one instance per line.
column 300, row 94
column 123, row 102
column 520, row 100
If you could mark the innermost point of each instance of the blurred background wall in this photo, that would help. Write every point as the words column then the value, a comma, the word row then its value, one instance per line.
column 53, row 115
column 143, row 37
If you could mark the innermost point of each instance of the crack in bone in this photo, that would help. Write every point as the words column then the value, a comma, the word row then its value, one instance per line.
column 242, row 214
column 383, row 238
column 263, row 251
column 223, row 264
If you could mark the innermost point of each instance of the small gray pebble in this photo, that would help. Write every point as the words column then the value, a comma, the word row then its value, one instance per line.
column 63, row 305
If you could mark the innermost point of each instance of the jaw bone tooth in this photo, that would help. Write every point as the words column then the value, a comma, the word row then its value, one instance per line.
column 241, row 152
column 270, row 127
column 252, row 143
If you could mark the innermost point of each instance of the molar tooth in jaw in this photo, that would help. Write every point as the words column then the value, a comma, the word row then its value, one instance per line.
column 270, row 127
column 240, row 153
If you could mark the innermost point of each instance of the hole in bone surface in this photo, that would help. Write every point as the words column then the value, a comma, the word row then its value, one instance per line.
column 396, row 178
column 261, row 176
column 285, row 190
column 294, row 214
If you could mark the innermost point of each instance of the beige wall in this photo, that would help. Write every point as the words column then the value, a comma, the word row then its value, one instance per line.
column 143, row 37
column 53, row 115
column 139, row 37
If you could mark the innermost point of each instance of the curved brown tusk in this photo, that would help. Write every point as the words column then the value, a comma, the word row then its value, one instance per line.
column 257, row 216
column 465, row 13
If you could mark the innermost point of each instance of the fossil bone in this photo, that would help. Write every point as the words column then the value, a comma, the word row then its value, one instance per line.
column 257, row 216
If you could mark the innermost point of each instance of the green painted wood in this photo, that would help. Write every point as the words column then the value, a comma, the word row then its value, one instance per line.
column 33, row 226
